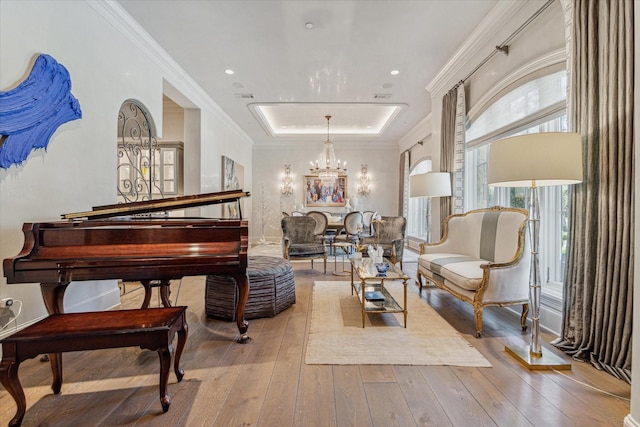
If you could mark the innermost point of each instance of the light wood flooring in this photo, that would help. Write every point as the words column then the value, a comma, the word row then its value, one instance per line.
column 266, row 382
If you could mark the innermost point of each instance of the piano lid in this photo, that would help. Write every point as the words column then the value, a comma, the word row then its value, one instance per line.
column 171, row 203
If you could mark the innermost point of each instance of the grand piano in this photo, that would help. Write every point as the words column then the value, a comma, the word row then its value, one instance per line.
column 131, row 243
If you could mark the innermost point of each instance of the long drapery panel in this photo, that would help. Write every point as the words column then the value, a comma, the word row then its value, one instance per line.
column 597, row 322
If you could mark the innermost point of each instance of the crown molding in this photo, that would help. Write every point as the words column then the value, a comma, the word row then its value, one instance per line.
column 420, row 131
column 479, row 40
column 124, row 23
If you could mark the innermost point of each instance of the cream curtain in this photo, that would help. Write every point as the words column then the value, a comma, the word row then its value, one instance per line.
column 597, row 322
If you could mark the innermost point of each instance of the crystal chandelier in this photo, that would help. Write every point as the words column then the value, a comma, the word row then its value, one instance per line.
column 328, row 168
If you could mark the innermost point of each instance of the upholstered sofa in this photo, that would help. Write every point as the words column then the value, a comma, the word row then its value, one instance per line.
column 483, row 258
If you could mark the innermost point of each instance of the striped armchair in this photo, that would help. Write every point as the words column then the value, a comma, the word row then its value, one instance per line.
column 482, row 258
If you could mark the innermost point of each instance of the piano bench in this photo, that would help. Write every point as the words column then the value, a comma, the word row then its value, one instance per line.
column 271, row 290
column 152, row 329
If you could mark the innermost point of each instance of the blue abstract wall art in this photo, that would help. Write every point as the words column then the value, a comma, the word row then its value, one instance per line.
column 31, row 113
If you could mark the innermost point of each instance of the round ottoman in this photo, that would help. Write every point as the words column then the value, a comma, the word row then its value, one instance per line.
column 271, row 290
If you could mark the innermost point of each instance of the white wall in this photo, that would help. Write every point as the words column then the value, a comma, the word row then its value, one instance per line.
column 382, row 162
column 108, row 62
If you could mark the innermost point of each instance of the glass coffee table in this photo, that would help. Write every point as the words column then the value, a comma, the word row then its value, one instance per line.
column 370, row 289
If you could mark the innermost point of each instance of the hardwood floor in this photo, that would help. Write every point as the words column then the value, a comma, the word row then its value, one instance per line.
column 266, row 382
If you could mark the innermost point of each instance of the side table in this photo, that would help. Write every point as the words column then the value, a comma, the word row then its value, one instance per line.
column 343, row 246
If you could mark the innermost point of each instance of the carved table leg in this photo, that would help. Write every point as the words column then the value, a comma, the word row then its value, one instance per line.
column 243, row 294
column 56, row 370
column 182, row 340
column 165, row 364
column 9, row 379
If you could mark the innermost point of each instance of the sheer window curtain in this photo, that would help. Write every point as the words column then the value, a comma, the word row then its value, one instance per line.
column 597, row 317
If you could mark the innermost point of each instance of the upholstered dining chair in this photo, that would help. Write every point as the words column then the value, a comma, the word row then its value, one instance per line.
column 389, row 232
column 321, row 221
column 367, row 224
column 352, row 228
column 299, row 240
column 321, row 226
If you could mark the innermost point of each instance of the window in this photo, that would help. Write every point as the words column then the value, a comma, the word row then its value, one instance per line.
column 417, row 213
column 536, row 106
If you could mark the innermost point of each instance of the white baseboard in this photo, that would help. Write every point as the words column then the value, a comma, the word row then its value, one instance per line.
column 550, row 320
column 630, row 422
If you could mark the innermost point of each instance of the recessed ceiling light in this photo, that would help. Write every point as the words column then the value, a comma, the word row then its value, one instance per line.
column 308, row 25
column 395, row 72
column 229, row 71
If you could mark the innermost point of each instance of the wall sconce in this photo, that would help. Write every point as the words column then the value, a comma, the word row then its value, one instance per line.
column 364, row 185
column 287, row 182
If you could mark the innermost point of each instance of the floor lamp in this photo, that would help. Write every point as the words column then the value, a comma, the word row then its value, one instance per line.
column 432, row 184
column 536, row 160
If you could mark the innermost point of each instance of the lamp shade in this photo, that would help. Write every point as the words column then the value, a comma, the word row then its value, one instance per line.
column 432, row 184
column 543, row 159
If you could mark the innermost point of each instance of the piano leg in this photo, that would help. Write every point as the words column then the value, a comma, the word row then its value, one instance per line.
column 53, row 296
column 164, row 289
column 243, row 294
column 164, row 292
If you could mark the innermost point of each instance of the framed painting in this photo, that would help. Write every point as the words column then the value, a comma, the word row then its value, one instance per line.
column 232, row 179
column 319, row 194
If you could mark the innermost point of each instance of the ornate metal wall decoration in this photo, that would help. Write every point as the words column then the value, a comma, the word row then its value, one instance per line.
column 138, row 154
column 31, row 113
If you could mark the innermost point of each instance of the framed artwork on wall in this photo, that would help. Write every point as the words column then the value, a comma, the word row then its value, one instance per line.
column 319, row 194
column 232, row 179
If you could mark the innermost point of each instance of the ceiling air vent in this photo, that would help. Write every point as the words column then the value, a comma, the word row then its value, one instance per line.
column 244, row 95
column 382, row 96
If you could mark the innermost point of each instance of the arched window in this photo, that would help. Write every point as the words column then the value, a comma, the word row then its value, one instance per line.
column 533, row 107
column 417, row 212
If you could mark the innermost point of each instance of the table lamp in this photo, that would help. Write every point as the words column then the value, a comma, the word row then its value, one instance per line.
column 431, row 184
column 536, row 160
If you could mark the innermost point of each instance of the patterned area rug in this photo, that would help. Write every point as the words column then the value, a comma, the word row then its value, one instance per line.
column 336, row 335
